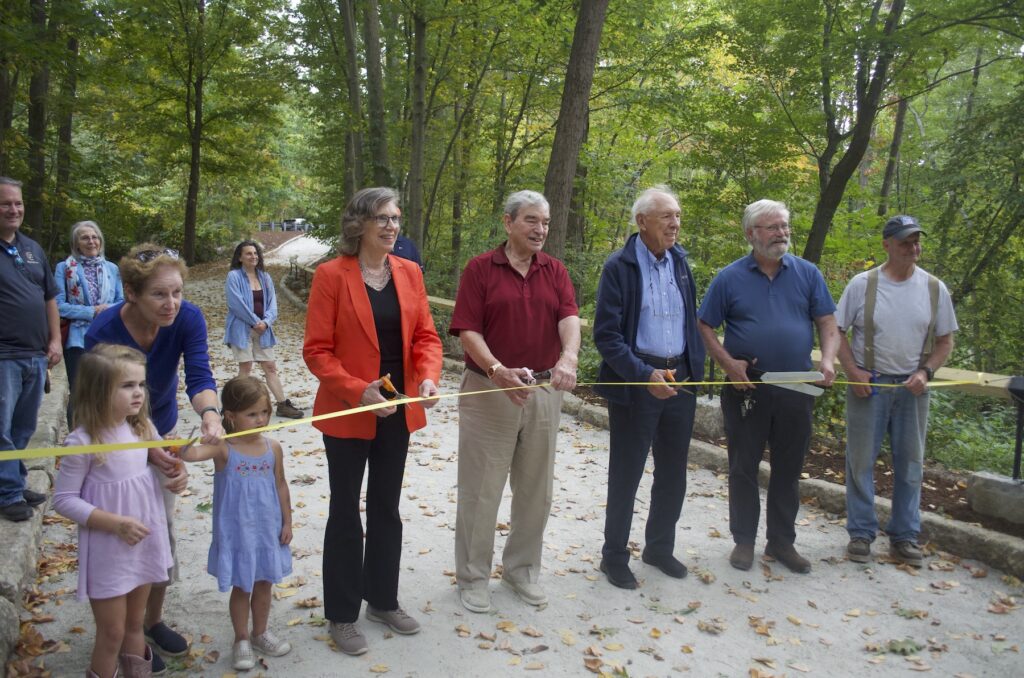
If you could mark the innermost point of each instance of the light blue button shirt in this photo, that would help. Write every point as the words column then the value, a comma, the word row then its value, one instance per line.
column 662, row 328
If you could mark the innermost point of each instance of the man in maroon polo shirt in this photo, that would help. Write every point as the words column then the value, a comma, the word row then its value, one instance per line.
column 516, row 317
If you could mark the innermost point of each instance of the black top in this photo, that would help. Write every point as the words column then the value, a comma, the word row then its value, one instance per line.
column 26, row 284
column 387, row 318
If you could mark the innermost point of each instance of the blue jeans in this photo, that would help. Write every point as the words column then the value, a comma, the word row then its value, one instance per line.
column 21, row 392
column 904, row 417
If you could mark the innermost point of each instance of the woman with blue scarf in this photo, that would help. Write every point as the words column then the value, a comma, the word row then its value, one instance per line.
column 86, row 284
column 252, row 310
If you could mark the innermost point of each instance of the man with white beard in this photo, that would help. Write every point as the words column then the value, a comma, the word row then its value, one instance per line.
column 770, row 302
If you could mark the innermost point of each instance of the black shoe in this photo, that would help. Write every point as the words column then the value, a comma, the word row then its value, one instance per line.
column 667, row 564
column 166, row 640
column 33, row 498
column 742, row 556
column 159, row 666
column 787, row 555
column 16, row 512
column 619, row 575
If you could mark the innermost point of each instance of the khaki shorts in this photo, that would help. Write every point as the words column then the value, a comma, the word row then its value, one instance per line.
column 253, row 352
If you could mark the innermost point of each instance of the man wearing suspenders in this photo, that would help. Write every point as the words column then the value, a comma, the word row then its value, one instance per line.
column 903, row 322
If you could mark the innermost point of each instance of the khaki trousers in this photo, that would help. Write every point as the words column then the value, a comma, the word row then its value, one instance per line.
column 499, row 440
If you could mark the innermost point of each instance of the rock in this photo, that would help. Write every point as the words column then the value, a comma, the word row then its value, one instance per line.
column 10, row 627
column 996, row 495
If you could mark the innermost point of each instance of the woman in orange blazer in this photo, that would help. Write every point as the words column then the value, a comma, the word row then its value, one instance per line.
column 368, row 317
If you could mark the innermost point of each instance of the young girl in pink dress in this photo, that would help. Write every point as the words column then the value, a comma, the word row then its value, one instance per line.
column 116, row 500
column 252, row 518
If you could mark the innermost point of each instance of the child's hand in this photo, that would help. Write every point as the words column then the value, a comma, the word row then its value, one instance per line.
column 286, row 534
column 131, row 531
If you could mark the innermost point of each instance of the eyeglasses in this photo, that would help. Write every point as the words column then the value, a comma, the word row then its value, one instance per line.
column 775, row 228
column 146, row 256
column 12, row 250
column 383, row 219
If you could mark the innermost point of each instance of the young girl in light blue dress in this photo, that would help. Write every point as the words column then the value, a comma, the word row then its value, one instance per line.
column 252, row 518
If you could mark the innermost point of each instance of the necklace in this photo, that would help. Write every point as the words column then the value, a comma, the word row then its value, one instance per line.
column 378, row 280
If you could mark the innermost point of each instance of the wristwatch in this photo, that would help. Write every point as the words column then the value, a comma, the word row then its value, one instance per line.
column 492, row 369
column 928, row 372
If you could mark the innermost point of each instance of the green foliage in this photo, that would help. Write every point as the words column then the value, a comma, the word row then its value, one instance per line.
column 968, row 432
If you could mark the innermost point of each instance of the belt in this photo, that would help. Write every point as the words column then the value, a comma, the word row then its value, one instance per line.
column 674, row 362
column 539, row 375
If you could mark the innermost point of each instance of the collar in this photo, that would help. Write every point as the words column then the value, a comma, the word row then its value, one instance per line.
column 751, row 262
column 629, row 250
column 499, row 257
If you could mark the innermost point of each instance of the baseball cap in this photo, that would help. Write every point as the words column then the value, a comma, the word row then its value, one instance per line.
column 900, row 227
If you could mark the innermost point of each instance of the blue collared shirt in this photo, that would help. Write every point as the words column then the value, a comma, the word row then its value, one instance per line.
column 662, row 328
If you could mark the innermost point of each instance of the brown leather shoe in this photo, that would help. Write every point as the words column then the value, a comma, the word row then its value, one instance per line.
column 742, row 556
column 787, row 555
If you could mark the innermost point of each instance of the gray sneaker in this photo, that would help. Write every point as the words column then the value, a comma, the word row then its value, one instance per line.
column 859, row 550
column 397, row 620
column 906, row 552
column 269, row 644
column 348, row 638
column 475, row 599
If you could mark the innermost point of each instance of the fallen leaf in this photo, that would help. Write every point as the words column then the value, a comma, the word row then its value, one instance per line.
column 379, row 668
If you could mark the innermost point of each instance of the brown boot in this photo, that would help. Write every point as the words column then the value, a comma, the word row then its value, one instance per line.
column 134, row 666
column 787, row 555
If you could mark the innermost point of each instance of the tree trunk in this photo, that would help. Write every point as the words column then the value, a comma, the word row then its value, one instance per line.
column 417, row 146
column 572, row 119
column 355, row 106
column 375, row 96
column 894, row 157
column 8, row 93
column 38, row 89
column 63, row 168
column 195, row 137
column 833, row 180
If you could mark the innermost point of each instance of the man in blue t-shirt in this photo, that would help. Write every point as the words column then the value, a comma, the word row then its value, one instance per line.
column 770, row 302
column 29, row 343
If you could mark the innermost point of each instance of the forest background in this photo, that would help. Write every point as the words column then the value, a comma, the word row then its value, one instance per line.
column 189, row 121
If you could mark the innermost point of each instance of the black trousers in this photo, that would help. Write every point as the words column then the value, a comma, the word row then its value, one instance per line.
column 350, row 575
column 646, row 423
column 71, row 358
column 780, row 418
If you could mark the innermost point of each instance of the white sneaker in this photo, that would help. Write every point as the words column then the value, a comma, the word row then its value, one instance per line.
column 243, row 656
column 269, row 644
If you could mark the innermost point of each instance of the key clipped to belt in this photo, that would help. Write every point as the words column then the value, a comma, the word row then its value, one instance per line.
column 747, row 406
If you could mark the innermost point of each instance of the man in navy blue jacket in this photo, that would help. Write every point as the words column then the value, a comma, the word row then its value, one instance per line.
column 646, row 331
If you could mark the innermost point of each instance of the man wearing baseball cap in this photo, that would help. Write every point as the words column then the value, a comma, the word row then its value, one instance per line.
column 903, row 322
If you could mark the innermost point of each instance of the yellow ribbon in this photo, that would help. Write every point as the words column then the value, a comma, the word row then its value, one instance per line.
column 99, row 448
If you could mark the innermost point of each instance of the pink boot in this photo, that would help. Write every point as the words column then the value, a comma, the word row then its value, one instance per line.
column 133, row 666
column 89, row 673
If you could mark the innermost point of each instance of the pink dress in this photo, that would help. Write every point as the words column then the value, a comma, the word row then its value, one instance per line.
column 123, row 483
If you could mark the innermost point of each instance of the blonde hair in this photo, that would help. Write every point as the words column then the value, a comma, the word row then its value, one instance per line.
column 240, row 393
column 143, row 260
column 99, row 374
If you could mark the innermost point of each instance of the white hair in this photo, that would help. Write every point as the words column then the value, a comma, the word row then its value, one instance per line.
column 521, row 199
column 645, row 200
column 764, row 207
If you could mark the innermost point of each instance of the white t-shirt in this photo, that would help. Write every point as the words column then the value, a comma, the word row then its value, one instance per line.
column 902, row 315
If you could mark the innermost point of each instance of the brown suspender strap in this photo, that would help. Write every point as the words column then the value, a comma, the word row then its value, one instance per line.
column 871, row 294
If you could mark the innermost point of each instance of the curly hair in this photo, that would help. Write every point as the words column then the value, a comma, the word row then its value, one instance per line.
column 363, row 204
column 143, row 260
column 236, row 258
